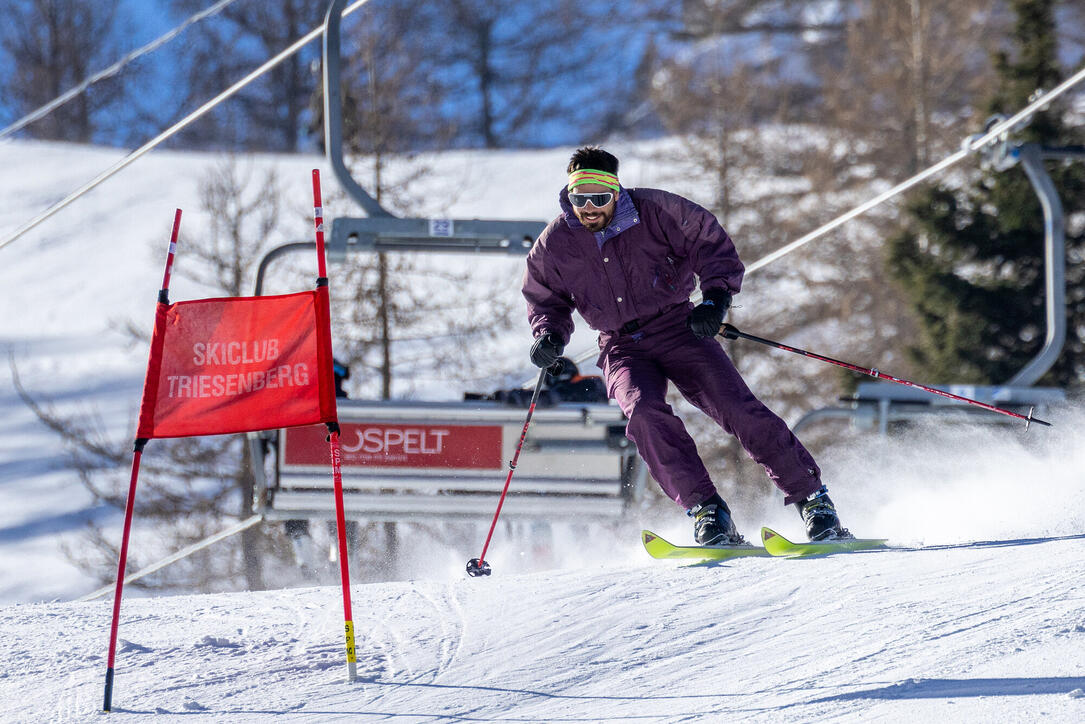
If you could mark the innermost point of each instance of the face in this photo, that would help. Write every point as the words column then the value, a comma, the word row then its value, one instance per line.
column 592, row 218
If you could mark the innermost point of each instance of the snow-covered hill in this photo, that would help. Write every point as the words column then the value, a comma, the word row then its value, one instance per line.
column 72, row 285
column 975, row 633
column 961, row 631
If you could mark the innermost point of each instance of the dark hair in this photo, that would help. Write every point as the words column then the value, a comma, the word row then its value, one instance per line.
column 593, row 157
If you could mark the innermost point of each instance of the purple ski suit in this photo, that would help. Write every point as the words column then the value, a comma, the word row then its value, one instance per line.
column 632, row 283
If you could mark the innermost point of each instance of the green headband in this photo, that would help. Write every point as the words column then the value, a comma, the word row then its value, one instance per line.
column 592, row 176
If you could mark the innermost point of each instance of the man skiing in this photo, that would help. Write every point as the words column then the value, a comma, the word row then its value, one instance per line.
column 628, row 260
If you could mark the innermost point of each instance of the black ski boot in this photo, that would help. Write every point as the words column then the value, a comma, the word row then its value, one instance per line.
column 819, row 515
column 713, row 525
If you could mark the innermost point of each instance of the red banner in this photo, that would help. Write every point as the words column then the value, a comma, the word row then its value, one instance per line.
column 399, row 445
column 239, row 364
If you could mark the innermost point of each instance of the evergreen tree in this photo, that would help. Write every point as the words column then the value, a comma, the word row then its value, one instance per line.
column 971, row 260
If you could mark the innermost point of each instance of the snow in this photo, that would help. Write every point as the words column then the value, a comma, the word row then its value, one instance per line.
column 985, row 623
column 969, row 633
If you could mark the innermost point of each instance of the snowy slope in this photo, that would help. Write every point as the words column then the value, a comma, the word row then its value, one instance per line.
column 962, row 631
column 975, row 633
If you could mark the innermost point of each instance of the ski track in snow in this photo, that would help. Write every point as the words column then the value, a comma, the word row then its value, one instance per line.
column 965, row 634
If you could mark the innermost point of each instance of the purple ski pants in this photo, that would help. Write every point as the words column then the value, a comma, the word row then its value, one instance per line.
column 636, row 369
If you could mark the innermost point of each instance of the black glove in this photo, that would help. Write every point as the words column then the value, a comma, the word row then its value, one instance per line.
column 707, row 317
column 546, row 350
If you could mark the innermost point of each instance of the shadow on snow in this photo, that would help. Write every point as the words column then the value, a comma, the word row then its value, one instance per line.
column 960, row 688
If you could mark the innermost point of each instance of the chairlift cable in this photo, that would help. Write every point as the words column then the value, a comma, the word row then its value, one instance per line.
column 112, row 70
column 172, row 130
column 969, row 146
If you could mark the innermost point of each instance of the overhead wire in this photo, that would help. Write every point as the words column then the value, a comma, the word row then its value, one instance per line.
column 112, row 70
column 175, row 128
column 969, row 146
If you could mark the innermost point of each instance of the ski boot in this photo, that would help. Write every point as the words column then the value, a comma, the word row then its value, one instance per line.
column 712, row 524
column 819, row 515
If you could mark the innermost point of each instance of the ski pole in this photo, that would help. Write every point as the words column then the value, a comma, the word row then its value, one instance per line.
column 731, row 332
column 478, row 566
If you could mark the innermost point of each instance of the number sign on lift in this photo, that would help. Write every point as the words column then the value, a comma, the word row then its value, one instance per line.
column 440, row 227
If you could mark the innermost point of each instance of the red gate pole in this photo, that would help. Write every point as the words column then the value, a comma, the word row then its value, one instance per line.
column 129, row 506
column 344, row 571
column 336, row 457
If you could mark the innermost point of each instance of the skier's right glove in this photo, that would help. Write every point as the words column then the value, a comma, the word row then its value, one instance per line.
column 546, row 350
column 707, row 317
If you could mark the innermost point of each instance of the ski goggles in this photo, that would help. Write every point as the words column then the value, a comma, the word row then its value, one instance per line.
column 596, row 200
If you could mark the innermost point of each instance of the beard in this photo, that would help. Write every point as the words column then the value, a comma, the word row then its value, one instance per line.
column 599, row 223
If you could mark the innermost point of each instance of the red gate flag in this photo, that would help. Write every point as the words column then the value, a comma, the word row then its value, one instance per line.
column 239, row 364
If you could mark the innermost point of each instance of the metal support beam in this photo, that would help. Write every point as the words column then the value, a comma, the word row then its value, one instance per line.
column 1031, row 156
column 441, row 235
column 382, row 231
column 333, row 113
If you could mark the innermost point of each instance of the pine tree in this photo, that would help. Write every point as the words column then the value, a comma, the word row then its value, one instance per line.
column 971, row 259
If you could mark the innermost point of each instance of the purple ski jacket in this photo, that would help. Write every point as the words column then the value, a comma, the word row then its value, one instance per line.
column 641, row 266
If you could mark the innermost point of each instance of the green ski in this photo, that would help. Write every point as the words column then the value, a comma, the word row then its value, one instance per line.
column 660, row 548
column 777, row 545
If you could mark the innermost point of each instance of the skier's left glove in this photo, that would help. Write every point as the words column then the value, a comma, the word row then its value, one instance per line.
column 707, row 317
column 546, row 350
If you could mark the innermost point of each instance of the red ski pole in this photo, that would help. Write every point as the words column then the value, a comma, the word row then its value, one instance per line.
column 479, row 566
column 730, row 332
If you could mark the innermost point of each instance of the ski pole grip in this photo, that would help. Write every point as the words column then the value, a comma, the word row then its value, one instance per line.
column 729, row 331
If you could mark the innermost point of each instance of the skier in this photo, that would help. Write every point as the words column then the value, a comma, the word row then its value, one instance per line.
column 626, row 259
